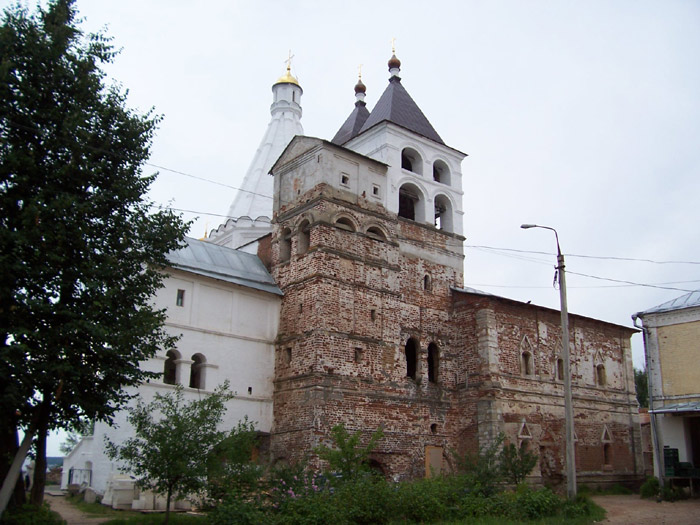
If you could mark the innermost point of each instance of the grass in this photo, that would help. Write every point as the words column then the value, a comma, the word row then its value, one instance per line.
column 95, row 509
column 158, row 519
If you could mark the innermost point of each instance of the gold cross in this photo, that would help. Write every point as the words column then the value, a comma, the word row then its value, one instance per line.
column 359, row 71
column 393, row 46
column 289, row 60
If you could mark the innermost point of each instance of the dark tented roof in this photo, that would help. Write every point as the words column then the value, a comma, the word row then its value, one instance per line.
column 689, row 300
column 352, row 125
column 396, row 105
column 225, row 264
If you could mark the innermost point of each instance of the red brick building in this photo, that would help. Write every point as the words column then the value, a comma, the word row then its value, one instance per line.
column 377, row 329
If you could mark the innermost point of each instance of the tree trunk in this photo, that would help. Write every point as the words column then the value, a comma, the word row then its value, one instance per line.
column 42, row 429
column 167, row 506
column 9, row 445
column 10, row 481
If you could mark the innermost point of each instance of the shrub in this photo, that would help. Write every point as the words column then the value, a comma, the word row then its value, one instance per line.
column 669, row 493
column 426, row 500
column 32, row 515
column 235, row 511
column 313, row 509
column 516, row 463
column 535, row 503
column 366, row 500
column 650, row 488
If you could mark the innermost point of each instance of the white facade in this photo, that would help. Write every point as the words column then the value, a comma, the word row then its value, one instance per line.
column 232, row 327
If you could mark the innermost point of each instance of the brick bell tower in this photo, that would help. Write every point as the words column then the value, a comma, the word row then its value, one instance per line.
column 367, row 248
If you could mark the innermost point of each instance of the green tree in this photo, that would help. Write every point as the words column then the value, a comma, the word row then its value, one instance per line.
column 641, row 384
column 84, row 428
column 169, row 455
column 80, row 250
column 481, row 470
column 516, row 463
column 347, row 457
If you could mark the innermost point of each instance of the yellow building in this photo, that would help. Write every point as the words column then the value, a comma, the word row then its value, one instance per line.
column 672, row 350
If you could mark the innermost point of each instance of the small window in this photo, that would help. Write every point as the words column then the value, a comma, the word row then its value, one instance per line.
column 170, row 367
column 373, row 315
column 303, row 237
column 600, row 375
column 411, row 352
column 180, row 300
column 344, row 179
column 376, row 190
column 441, row 173
column 345, row 224
column 376, row 234
column 250, row 390
column 433, row 428
column 285, row 245
column 288, row 356
column 358, row 355
column 607, row 459
column 433, row 363
column 560, row 369
column 443, row 213
column 197, row 371
column 411, row 161
column 526, row 363
column 427, row 283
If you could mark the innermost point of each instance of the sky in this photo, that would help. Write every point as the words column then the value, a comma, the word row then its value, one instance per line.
column 581, row 116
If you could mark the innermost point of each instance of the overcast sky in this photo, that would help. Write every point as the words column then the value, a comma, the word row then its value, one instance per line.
column 583, row 116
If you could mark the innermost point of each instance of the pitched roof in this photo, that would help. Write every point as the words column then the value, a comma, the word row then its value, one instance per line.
column 224, row 264
column 352, row 125
column 396, row 105
column 689, row 300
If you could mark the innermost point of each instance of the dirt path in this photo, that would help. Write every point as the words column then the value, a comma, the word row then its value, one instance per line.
column 70, row 513
column 633, row 510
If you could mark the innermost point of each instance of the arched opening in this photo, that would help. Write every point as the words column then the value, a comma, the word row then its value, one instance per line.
column 441, row 173
column 344, row 223
column 526, row 363
column 303, row 237
column 411, row 352
column 375, row 233
column 443, row 213
column 411, row 161
column 285, row 245
column 560, row 369
column 433, row 363
column 427, row 283
column 197, row 371
column 170, row 367
column 600, row 375
column 411, row 202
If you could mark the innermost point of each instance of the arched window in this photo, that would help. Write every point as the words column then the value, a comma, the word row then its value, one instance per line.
column 375, row 233
column 411, row 351
column 170, row 367
column 197, row 371
column 285, row 245
column 433, row 363
column 443, row 213
column 560, row 369
column 411, row 161
column 526, row 363
column 600, row 375
column 441, row 173
column 427, row 283
column 411, row 202
column 345, row 224
column 303, row 237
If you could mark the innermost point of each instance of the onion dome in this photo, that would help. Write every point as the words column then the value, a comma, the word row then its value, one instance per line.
column 288, row 78
column 360, row 87
column 394, row 63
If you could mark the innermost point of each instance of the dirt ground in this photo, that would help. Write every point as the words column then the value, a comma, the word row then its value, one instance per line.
column 68, row 512
column 633, row 510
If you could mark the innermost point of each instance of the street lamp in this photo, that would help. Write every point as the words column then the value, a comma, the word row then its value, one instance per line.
column 568, row 406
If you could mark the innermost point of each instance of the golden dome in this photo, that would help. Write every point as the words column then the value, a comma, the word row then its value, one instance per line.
column 287, row 78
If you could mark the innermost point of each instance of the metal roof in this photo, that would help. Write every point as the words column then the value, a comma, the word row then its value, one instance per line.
column 690, row 406
column 396, row 105
column 689, row 300
column 351, row 127
column 224, row 264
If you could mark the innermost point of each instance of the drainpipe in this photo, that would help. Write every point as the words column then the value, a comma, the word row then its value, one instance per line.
column 655, row 438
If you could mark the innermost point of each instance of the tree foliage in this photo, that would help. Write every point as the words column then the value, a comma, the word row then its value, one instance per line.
column 347, row 457
column 80, row 250
column 172, row 442
column 516, row 463
column 641, row 384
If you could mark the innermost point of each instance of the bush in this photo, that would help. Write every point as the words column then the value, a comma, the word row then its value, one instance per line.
column 650, row 488
column 235, row 511
column 32, row 515
column 669, row 493
column 366, row 500
column 313, row 509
